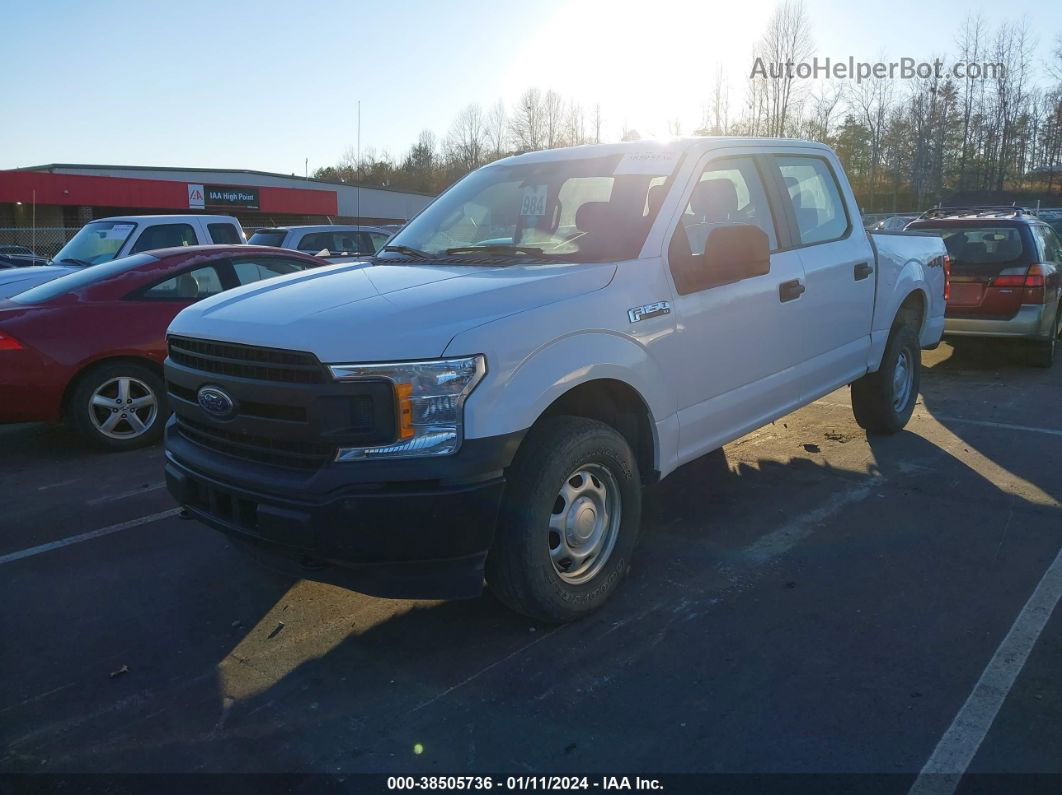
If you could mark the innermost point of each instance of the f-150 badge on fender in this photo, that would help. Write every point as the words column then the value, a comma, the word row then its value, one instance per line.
column 649, row 310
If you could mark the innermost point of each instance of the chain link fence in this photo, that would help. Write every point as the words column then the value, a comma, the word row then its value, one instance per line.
column 43, row 241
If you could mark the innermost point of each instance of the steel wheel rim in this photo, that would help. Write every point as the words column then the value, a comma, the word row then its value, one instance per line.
column 902, row 380
column 584, row 524
column 123, row 408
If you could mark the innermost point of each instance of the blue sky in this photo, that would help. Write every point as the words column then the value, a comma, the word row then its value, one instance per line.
column 265, row 84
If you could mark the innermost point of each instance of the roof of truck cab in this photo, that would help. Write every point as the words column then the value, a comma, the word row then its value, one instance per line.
column 324, row 228
column 682, row 145
column 173, row 218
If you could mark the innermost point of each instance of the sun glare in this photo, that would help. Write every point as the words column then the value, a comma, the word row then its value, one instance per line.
column 647, row 64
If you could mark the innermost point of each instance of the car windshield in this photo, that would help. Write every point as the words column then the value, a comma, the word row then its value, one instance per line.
column 98, row 241
column 80, row 278
column 583, row 210
column 268, row 237
column 980, row 245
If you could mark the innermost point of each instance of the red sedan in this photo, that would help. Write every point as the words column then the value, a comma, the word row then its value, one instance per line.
column 89, row 347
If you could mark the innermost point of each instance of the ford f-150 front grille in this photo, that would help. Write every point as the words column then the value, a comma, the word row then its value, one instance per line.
column 262, row 449
column 285, row 410
column 247, row 361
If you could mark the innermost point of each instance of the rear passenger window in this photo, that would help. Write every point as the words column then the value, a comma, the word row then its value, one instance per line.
column 336, row 242
column 820, row 212
column 188, row 286
column 164, row 236
column 224, row 233
column 248, row 271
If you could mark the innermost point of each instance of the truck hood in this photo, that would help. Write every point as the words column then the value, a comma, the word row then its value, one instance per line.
column 16, row 280
column 354, row 313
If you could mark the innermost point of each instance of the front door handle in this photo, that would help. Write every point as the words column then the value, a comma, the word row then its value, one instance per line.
column 862, row 271
column 791, row 290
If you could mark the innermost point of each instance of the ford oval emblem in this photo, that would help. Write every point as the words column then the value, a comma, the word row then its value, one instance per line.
column 216, row 402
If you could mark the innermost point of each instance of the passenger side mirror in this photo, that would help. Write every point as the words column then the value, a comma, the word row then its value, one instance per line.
column 736, row 252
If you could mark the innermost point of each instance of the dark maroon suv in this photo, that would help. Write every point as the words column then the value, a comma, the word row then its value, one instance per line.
column 1006, row 275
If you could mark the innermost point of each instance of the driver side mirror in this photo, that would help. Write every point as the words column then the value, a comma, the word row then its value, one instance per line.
column 736, row 252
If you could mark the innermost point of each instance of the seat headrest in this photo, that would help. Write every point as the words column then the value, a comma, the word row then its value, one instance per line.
column 187, row 286
column 714, row 199
column 656, row 198
column 592, row 216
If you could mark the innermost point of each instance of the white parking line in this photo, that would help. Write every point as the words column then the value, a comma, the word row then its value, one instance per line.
column 146, row 488
column 1002, row 425
column 960, row 742
column 103, row 531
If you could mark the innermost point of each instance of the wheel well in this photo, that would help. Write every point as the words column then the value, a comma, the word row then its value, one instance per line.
column 912, row 310
column 619, row 405
column 71, row 387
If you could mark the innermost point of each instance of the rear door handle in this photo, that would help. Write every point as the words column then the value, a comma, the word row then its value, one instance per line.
column 791, row 290
column 862, row 271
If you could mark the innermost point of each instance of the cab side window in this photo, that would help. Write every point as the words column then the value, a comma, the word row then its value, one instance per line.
column 224, row 233
column 188, row 286
column 820, row 212
column 254, row 270
column 165, row 236
column 728, row 193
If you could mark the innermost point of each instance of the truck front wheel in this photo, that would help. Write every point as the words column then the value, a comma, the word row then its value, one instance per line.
column 569, row 521
column 883, row 401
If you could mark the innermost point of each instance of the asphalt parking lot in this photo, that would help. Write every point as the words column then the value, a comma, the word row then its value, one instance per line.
column 805, row 600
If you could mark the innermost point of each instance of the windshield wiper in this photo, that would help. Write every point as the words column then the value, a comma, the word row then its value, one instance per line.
column 413, row 252
column 498, row 248
column 80, row 262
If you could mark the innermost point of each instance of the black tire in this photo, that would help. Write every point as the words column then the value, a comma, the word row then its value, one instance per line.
column 520, row 567
column 107, row 379
column 874, row 401
column 1042, row 353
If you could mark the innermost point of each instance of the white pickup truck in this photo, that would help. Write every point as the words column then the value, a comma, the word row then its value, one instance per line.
column 106, row 239
column 488, row 399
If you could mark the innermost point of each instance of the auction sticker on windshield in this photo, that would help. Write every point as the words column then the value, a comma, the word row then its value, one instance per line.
column 658, row 163
column 534, row 201
column 118, row 232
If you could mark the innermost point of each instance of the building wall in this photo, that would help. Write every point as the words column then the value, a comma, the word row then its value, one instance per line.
column 367, row 204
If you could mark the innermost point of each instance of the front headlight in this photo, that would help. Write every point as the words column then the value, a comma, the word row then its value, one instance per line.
column 430, row 398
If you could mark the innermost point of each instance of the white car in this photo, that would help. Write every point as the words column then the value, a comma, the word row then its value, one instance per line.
column 106, row 239
column 552, row 334
column 333, row 242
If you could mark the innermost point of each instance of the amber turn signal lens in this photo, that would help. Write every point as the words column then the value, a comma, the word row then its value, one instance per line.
column 404, row 396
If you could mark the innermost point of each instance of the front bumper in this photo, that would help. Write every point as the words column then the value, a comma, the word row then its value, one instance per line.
column 1030, row 322
column 407, row 534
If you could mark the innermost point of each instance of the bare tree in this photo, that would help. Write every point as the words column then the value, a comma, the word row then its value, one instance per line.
column 553, row 119
column 496, row 129
column 528, row 121
column 596, row 122
column 468, row 137
column 575, row 124
column 786, row 41
column 824, row 106
column 870, row 101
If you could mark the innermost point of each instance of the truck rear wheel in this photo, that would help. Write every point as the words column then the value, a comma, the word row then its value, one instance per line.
column 883, row 401
column 569, row 522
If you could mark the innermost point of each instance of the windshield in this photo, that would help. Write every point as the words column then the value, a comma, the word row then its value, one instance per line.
column 268, row 237
column 980, row 245
column 97, row 242
column 80, row 278
column 587, row 210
